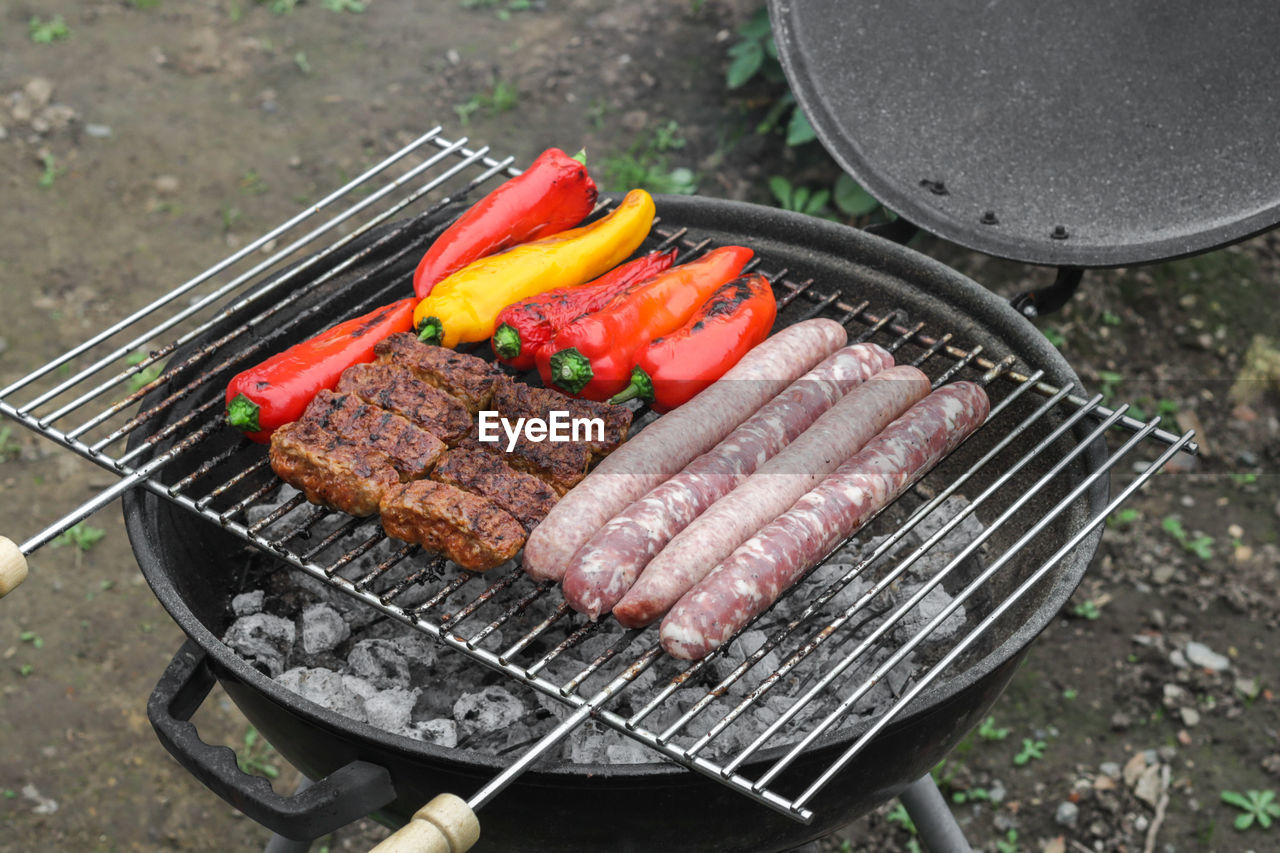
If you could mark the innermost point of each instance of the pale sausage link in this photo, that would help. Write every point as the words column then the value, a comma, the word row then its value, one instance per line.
column 770, row 491
column 667, row 445
column 603, row 570
column 762, row 568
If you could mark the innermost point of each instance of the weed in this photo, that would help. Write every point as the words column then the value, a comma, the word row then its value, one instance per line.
column 1246, row 479
column 1110, row 318
column 852, row 199
column 1070, row 694
column 47, row 32
column 501, row 98
column 9, row 449
column 146, row 375
column 1109, row 379
column 52, row 171
column 973, row 795
column 230, row 217
column 280, row 7
column 898, row 814
column 1054, row 337
column 989, row 731
column 800, row 199
column 597, row 111
column 1030, row 749
column 26, row 669
column 251, row 183
column 1201, row 546
column 1256, row 805
column 625, row 171
column 144, row 4
column 81, row 536
column 33, row 638
column 10, row 794
column 1124, row 517
column 355, row 7
column 1008, row 844
column 300, row 60
column 1087, row 609
column 667, row 137
column 257, row 755
column 502, row 11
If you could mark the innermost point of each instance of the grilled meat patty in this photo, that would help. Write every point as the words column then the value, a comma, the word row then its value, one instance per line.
column 412, row 449
column 561, row 465
column 512, row 399
column 471, row 380
column 396, row 389
column 347, row 477
column 469, row 530
column 527, row 498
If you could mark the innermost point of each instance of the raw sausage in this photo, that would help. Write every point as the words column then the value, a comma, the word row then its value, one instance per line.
column 759, row 571
column 603, row 570
column 770, row 491
column 667, row 445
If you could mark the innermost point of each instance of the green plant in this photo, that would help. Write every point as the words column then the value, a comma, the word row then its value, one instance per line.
column 231, row 216
column 1110, row 318
column 353, row 6
column 1260, row 806
column 812, row 202
column 973, row 795
column 300, row 60
column 146, row 375
column 756, row 54
column 1124, row 517
column 851, row 199
column 1245, row 479
column 1070, row 694
column 144, row 4
column 33, row 638
column 1201, row 546
column 1008, row 844
column 82, row 536
column 9, row 449
column 1109, row 379
column 47, row 32
column 1030, row 749
column 898, row 814
column 501, row 98
column 667, row 137
column 280, row 7
column 26, row 669
column 1087, row 609
column 251, row 183
column 257, row 755
column 1054, row 337
column 989, row 731
column 500, row 10
column 52, row 171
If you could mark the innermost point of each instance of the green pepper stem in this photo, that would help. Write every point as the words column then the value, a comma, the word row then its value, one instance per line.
column 242, row 413
column 506, row 341
column 641, row 386
column 581, row 156
column 431, row 331
column 570, row 370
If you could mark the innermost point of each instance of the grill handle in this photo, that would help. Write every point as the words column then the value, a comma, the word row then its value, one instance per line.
column 347, row 794
column 13, row 566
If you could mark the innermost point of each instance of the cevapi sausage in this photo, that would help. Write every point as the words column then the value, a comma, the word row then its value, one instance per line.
column 760, row 570
column 667, row 445
column 604, row 568
column 839, row 433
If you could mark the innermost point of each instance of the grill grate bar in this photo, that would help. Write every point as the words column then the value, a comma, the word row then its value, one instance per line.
column 385, row 566
column 1002, row 607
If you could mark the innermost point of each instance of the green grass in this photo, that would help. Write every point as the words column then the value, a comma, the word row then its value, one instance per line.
column 82, row 536
column 1031, row 750
column 257, row 756
column 146, row 375
column 47, row 32
column 52, row 171
column 1257, row 806
column 1201, row 546
column 500, row 99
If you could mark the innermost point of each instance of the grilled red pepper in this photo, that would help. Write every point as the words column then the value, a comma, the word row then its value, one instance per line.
column 528, row 325
column 553, row 194
column 593, row 356
column 271, row 394
column 673, row 369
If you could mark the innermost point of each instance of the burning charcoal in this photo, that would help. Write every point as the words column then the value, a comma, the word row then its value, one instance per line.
column 440, row 732
column 381, row 662
column 418, row 648
column 627, row 752
column 492, row 708
column 262, row 639
column 322, row 629
column 247, row 603
column 325, row 688
column 390, row 709
column 934, row 602
column 558, row 710
column 359, row 687
column 434, row 702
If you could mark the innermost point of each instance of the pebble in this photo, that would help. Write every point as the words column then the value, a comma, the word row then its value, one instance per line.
column 98, row 131
column 1110, row 768
column 1148, row 787
column 1120, row 721
column 1066, row 814
column 1141, row 823
column 1247, row 458
column 1201, row 655
column 165, row 184
column 1174, row 695
column 1190, row 716
column 39, row 90
column 1247, row 687
column 997, row 791
column 1184, row 737
column 1002, row 822
column 1178, row 659
column 1162, row 574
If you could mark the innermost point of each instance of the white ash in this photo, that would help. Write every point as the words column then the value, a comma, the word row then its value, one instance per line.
column 377, row 670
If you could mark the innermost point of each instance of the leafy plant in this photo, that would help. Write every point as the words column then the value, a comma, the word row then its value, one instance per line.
column 1201, row 546
column 667, row 137
column 82, row 536
column 1109, row 379
column 1087, row 609
column 47, row 32
column 1126, row 516
column 899, row 815
column 989, row 731
column 1054, row 337
column 52, row 171
column 33, row 638
column 1070, row 694
column 146, row 375
column 1110, row 318
column 501, row 10
column 257, row 755
column 1008, row 844
column 251, row 183
column 501, row 98
column 812, row 202
column 1260, row 806
column 1030, row 749
column 353, row 6
column 1245, row 479
column 300, row 60
column 973, row 795
column 852, row 199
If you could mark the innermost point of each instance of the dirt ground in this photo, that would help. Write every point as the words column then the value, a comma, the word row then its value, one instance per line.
column 146, row 138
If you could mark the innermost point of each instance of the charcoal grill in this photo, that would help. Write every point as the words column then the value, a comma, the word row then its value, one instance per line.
column 1035, row 475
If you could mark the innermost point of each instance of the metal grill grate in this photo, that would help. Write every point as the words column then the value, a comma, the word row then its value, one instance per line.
column 1018, row 475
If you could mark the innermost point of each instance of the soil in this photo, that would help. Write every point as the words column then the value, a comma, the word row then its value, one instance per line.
column 158, row 135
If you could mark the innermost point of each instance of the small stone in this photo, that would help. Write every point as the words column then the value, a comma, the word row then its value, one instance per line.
column 1134, row 768
column 997, row 791
column 1247, row 458
column 1184, row 737
column 1002, row 822
column 1271, row 764
column 98, row 131
column 1109, row 769
column 1235, row 531
column 247, row 602
column 165, row 184
column 1148, row 787
column 295, row 162
column 1178, row 659
column 1104, row 783
column 39, row 90
column 1174, row 695
column 1167, row 753
column 1198, row 654
column 1120, row 721
column 1066, row 814
column 1248, row 687
column 1141, row 823
column 1190, row 717
column 635, row 120
column 1162, row 574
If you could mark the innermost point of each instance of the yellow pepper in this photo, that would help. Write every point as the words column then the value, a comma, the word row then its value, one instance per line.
column 464, row 307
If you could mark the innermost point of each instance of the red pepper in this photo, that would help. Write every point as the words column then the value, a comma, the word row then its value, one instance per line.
column 592, row 357
column 673, row 369
column 271, row 394
column 528, row 325
column 553, row 194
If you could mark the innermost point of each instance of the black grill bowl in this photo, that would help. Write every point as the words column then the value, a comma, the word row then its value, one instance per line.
column 195, row 568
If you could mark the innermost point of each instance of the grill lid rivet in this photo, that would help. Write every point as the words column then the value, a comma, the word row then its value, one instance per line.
column 1059, row 232
column 989, row 218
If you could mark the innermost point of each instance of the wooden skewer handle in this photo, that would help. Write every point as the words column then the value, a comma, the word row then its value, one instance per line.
column 444, row 825
column 13, row 566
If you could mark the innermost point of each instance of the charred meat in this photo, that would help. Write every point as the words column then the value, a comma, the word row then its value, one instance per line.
column 396, row 389
column 471, row 380
column 515, row 399
column 527, row 498
column 412, row 449
column 469, row 530
column 347, row 477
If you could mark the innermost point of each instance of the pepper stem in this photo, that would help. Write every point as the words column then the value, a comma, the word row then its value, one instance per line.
column 506, row 341
column 431, row 331
column 242, row 413
column 570, row 370
column 581, row 156
column 641, row 386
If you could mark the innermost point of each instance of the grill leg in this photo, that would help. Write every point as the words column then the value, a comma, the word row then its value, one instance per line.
column 933, row 819
column 280, row 844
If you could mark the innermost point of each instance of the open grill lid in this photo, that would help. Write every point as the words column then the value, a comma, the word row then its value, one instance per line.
column 1072, row 134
